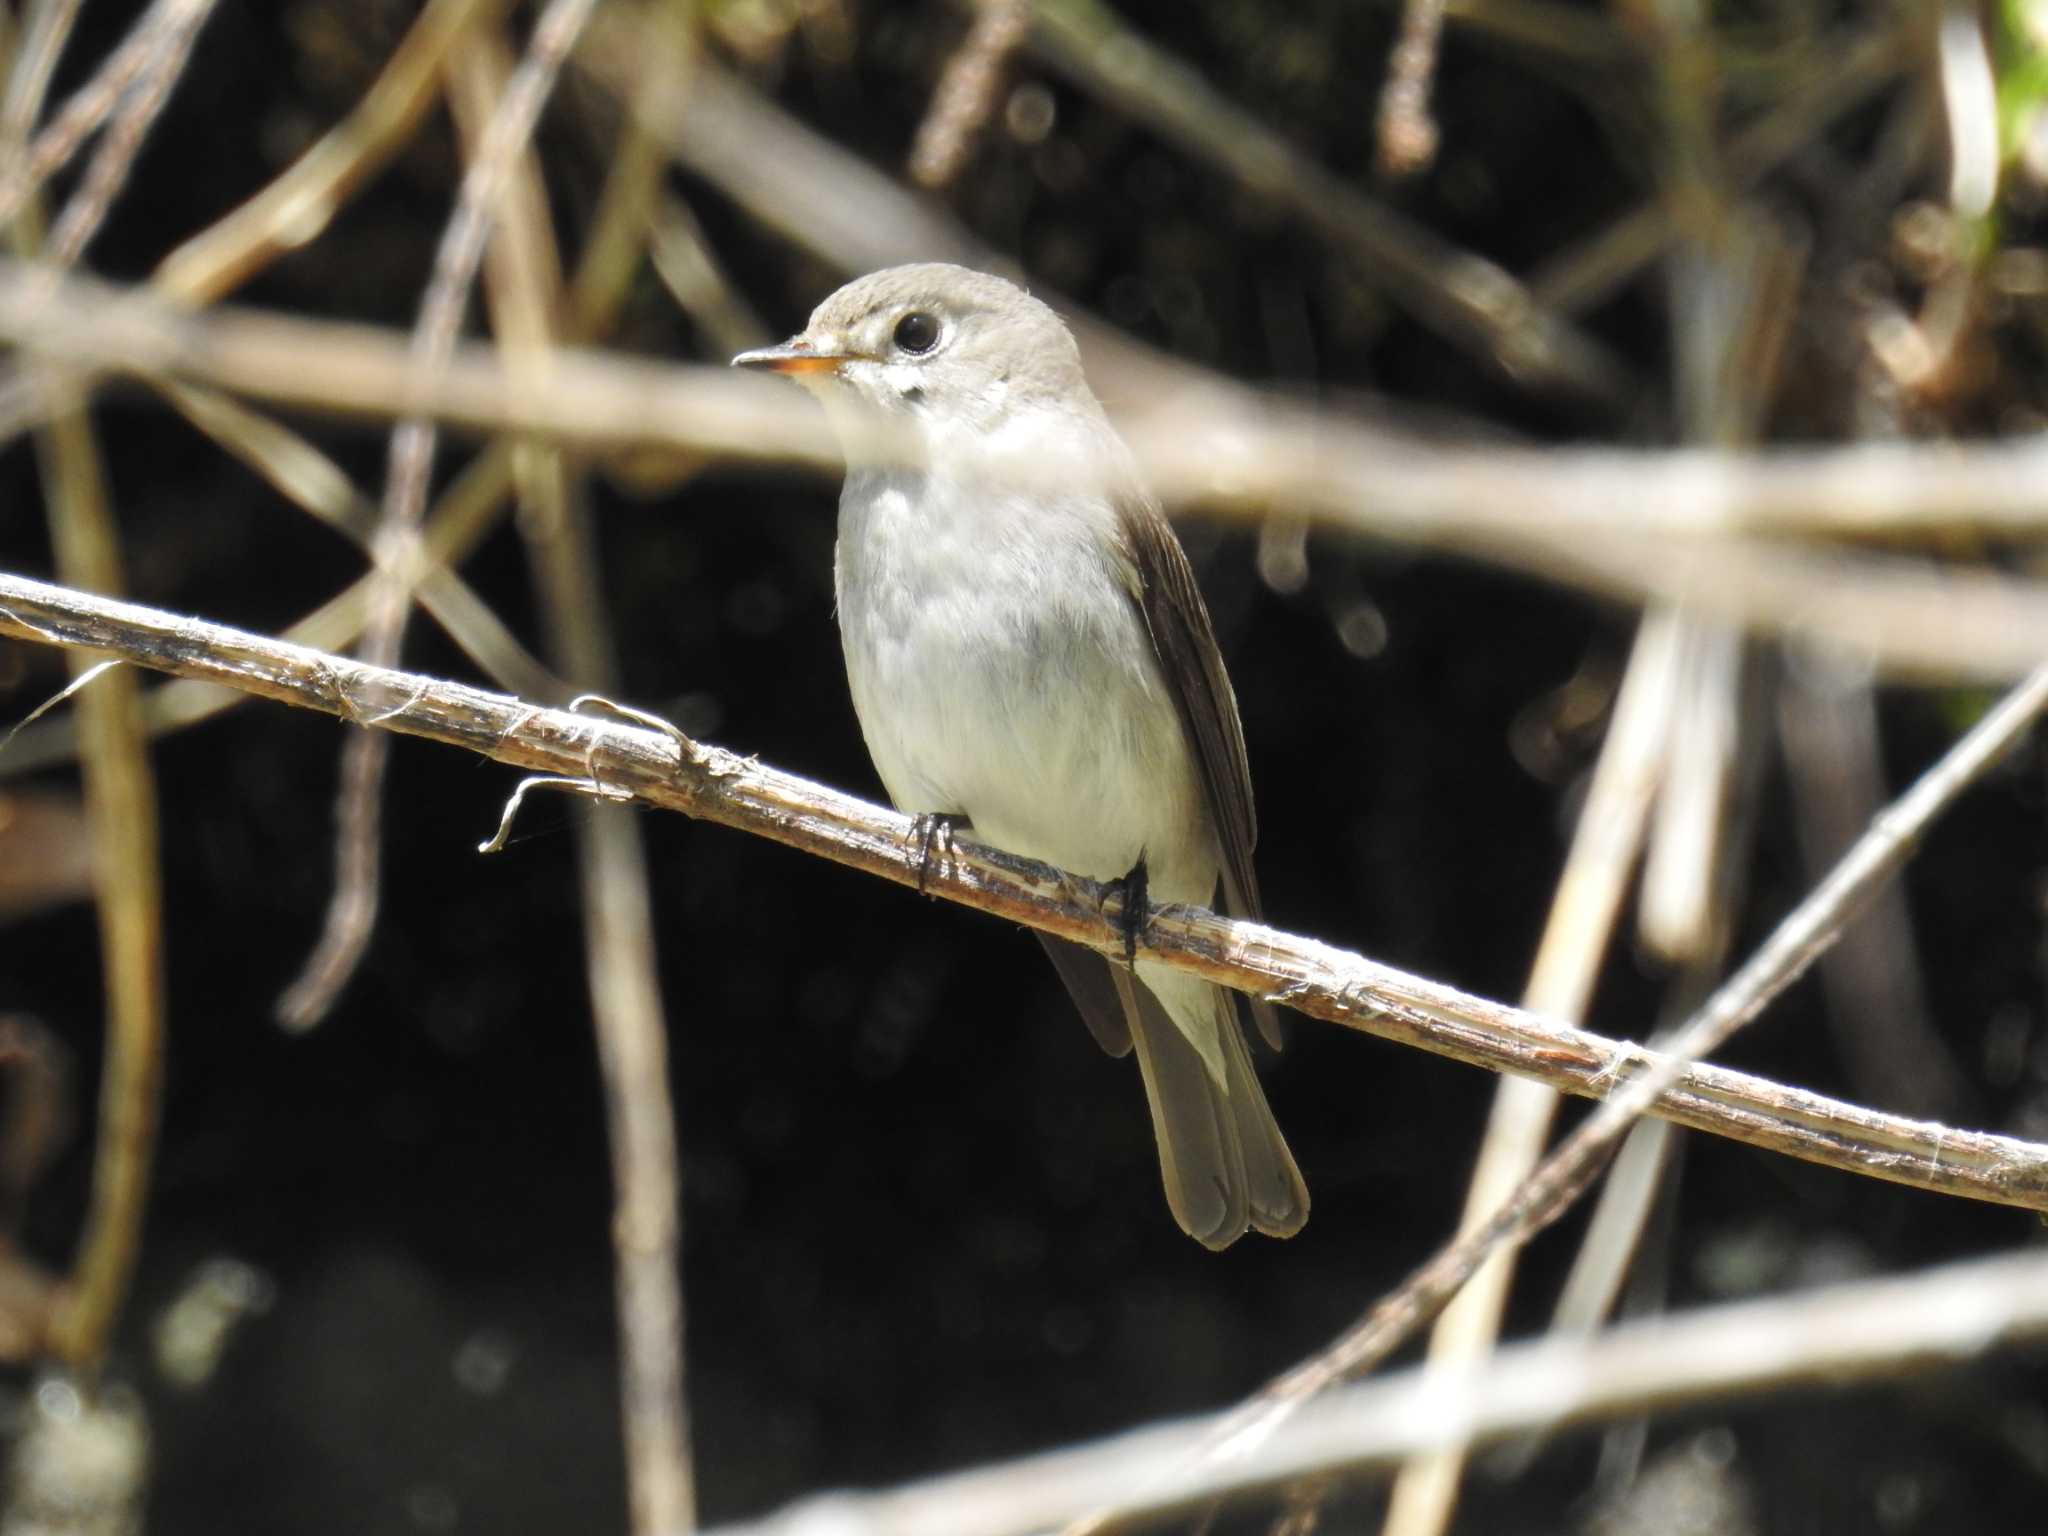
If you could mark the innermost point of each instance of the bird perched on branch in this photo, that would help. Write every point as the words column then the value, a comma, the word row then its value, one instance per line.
column 1031, row 661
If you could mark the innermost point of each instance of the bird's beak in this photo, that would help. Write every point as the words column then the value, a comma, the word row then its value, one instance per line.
column 799, row 354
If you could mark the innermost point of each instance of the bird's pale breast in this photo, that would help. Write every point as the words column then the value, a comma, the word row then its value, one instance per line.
column 1001, row 670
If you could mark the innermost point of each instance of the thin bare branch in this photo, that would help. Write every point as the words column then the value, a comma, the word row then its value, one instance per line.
column 1883, row 1030
column 1313, row 978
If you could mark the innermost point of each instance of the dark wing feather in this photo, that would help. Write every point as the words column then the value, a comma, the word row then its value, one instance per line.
column 1192, row 665
column 1094, row 991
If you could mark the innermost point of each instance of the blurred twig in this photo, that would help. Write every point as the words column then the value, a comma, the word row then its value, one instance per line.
column 136, row 111
column 1310, row 977
column 1730, row 304
column 1565, row 31
column 294, row 208
column 1606, row 843
column 36, row 50
column 1670, row 524
column 120, row 795
column 684, row 261
column 1463, row 295
column 966, row 94
column 120, row 788
column 352, row 912
column 1820, row 1338
column 467, row 512
column 818, row 194
column 1407, row 130
column 45, row 852
column 311, row 481
column 1876, row 1004
column 524, row 289
column 1969, row 93
column 35, row 1069
column 29, row 164
column 659, row 226
column 461, row 518
column 1857, row 65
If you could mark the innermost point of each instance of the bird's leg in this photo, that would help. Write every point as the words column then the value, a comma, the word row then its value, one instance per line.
column 1137, row 908
column 929, row 830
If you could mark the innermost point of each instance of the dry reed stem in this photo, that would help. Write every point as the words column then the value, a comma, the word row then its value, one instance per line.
column 29, row 164
column 120, row 806
column 467, row 513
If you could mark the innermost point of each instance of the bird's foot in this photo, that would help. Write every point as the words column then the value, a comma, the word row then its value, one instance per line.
column 1136, row 911
column 929, row 831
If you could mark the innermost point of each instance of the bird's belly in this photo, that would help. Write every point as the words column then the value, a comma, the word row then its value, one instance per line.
column 1040, row 719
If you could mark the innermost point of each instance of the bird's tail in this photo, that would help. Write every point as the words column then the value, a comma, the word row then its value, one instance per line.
column 1225, row 1164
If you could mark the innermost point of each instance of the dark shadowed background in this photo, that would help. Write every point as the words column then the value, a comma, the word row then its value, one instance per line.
column 922, row 1216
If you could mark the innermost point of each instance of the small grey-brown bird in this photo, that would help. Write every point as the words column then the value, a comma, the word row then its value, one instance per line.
column 1029, row 655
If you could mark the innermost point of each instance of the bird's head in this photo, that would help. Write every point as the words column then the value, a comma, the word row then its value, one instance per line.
column 955, row 350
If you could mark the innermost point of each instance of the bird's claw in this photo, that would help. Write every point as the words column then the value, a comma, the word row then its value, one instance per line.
column 1136, row 912
column 930, row 830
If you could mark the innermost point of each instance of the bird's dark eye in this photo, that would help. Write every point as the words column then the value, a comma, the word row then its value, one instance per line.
column 917, row 332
